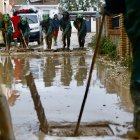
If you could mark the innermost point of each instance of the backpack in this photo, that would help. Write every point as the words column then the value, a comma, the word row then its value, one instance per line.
column 115, row 7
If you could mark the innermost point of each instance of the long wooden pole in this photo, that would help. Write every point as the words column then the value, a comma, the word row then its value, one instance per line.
column 89, row 78
column 6, row 128
column 37, row 103
column 23, row 38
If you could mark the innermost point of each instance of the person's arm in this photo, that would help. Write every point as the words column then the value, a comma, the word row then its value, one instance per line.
column 68, row 28
column 50, row 28
column 10, row 28
column 60, row 25
column 83, row 28
column 27, row 30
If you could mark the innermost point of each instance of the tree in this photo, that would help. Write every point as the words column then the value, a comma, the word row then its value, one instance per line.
column 76, row 5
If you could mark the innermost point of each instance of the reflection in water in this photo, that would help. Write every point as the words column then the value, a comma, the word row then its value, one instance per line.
column 81, row 72
column 25, row 68
column 49, row 71
column 116, row 83
column 18, row 67
column 8, row 72
column 7, row 81
column 66, row 71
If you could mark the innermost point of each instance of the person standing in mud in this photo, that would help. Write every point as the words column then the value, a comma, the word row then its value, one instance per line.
column 56, row 22
column 130, row 9
column 23, row 27
column 65, row 27
column 15, row 20
column 48, row 28
column 7, row 31
column 80, row 25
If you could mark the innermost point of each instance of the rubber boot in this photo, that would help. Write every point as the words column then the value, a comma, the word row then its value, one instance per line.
column 68, row 44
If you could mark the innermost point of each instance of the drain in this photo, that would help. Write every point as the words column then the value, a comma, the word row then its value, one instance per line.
column 84, row 130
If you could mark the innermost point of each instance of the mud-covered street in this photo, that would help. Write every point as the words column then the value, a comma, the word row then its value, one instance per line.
column 60, row 79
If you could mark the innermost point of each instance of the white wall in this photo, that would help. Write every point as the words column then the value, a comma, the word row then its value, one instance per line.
column 48, row 9
column 5, row 7
column 93, row 25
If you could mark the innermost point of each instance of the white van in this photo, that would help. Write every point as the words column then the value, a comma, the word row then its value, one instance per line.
column 34, row 18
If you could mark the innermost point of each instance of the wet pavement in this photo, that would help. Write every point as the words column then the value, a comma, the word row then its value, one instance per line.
column 60, row 79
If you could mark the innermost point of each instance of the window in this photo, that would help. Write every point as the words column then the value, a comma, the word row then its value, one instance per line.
column 31, row 18
column 116, row 22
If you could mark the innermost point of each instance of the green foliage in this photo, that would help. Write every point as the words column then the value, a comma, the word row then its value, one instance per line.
column 76, row 5
column 106, row 47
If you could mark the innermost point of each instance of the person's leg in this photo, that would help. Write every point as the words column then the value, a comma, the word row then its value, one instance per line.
column 79, row 41
column 68, row 42
column 49, row 41
column 82, row 42
column 64, row 42
column 55, row 37
column 132, row 23
column 26, row 40
column 21, row 42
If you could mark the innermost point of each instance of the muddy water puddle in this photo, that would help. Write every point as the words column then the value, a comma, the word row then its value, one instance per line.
column 61, row 81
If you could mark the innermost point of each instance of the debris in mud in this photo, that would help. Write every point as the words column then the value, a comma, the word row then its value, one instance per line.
column 84, row 130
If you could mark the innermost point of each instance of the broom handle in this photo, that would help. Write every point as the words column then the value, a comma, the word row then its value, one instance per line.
column 90, row 75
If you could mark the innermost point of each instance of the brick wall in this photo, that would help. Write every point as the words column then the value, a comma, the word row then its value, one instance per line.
column 118, row 36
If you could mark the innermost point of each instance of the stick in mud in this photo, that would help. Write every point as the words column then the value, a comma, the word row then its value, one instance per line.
column 37, row 103
column 23, row 38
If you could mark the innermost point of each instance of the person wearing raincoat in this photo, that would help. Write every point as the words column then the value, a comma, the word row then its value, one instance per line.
column 56, row 22
column 131, row 12
column 48, row 28
column 65, row 27
column 7, row 31
column 23, row 27
column 80, row 25
column 15, row 20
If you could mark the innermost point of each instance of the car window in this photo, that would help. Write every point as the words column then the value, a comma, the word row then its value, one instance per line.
column 31, row 18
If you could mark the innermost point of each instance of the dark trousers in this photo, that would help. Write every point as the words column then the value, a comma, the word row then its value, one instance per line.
column 7, row 39
column 66, row 41
column 81, row 40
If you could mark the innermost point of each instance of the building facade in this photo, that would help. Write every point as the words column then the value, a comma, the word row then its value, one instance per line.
column 114, row 30
column 4, row 6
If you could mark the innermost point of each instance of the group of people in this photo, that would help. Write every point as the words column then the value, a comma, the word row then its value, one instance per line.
column 14, row 28
column 17, row 28
column 51, row 28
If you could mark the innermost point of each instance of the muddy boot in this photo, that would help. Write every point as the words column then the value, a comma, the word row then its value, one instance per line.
column 68, row 49
column 82, row 44
column 63, row 48
column 68, row 44
column 49, row 47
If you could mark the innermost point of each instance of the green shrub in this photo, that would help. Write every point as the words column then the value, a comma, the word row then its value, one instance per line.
column 106, row 46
